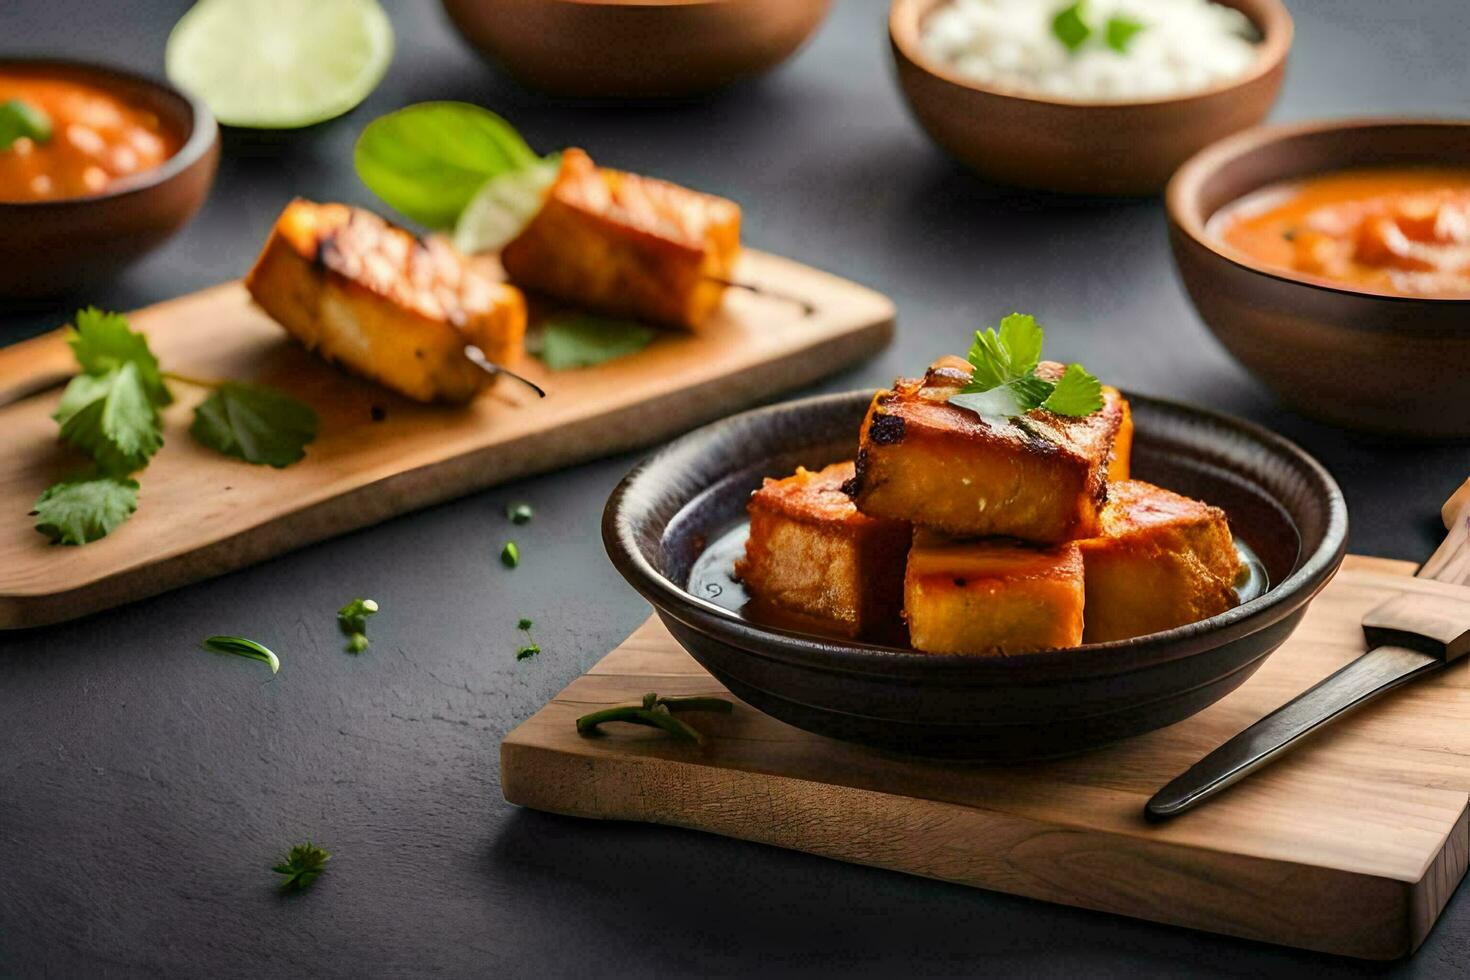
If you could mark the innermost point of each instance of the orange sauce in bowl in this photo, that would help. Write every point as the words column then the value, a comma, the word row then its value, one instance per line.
column 97, row 139
column 1404, row 231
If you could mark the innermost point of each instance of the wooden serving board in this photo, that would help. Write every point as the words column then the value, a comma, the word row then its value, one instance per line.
column 201, row 514
column 1352, row 844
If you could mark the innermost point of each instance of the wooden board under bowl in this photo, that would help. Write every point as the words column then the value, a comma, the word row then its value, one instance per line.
column 201, row 514
column 1352, row 844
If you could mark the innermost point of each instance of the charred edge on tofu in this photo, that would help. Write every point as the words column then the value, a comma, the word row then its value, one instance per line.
column 886, row 430
column 854, row 486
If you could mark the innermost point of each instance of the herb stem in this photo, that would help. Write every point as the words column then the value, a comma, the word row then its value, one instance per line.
column 656, row 712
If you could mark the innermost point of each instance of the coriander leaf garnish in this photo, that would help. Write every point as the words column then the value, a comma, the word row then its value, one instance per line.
column 1120, row 31
column 1004, row 383
column 1070, row 26
column 21, row 120
column 242, row 647
column 110, row 418
column 530, row 648
column 104, row 342
column 519, row 513
column 255, row 423
column 510, row 555
column 577, row 340
column 78, row 511
column 1077, row 393
column 352, row 619
column 303, row 864
column 656, row 712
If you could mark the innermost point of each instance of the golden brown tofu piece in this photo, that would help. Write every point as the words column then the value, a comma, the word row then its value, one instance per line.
column 989, row 597
column 1162, row 560
column 811, row 552
column 370, row 296
column 625, row 245
column 1120, row 462
column 1042, row 477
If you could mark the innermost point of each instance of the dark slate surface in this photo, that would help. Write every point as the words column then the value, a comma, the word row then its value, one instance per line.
column 145, row 788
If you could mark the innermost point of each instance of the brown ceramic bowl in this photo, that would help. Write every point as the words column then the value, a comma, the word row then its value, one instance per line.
column 688, row 502
column 1056, row 144
column 1354, row 357
column 52, row 247
column 635, row 48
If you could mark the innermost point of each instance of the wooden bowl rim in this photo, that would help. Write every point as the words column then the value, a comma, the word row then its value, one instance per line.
column 1111, row 658
column 1275, row 25
column 1182, row 204
column 203, row 132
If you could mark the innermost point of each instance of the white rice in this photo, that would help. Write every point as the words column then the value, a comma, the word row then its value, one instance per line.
column 1186, row 46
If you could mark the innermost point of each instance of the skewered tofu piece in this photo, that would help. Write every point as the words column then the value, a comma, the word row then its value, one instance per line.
column 625, row 245
column 992, row 597
column 1042, row 477
column 373, row 298
column 811, row 552
column 1162, row 560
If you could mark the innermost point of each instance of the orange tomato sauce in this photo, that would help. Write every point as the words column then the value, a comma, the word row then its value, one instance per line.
column 1403, row 230
column 96, row 139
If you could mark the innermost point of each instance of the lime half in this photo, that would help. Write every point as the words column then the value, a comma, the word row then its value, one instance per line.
column 280, row 64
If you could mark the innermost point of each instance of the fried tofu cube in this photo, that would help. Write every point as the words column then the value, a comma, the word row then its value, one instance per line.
column 370, row 296
column 992, row 596
column 1041, row 477
column 1162, row 560
column 812, row 553
column 626, row 245
column 1120, row 462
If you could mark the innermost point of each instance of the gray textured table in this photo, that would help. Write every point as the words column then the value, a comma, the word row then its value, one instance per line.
column 145, row 788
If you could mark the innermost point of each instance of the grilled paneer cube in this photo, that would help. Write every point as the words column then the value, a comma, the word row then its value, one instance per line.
column 373, row 298
column 1162, row 560
column 1041, row 477
column 625, row 245
column 990, row 597
column 811, row 552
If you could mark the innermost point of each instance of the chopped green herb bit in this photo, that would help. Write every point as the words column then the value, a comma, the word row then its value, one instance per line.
column 302, row 866
column 510, row 555
column 524, row 624
column 352, row 619
column 357, row 643
column 1070, row 26
column 520, row 513
column 239, row 646
column 1120, row 31
column 527, row 652
column 21, row 120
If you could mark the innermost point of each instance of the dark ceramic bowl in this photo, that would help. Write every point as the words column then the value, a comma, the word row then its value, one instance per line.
column 1350, row 356
column 1075, row 146
column 53, row 247
column 1281, row 502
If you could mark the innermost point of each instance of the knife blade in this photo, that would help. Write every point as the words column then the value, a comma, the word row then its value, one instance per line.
column 1409, row 636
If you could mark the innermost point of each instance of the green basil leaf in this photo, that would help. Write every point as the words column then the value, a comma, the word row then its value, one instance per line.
column 21, row 120
column 255, row 423
column 429, row 160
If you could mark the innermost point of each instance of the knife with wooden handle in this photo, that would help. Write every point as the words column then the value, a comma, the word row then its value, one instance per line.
column 1409, row 636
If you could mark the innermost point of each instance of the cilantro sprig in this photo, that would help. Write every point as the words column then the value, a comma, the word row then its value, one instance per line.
column 304, row 863
column 110, row 412
column 1005, row 384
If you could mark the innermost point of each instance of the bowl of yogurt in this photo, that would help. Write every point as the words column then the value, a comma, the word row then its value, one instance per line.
column 1102, row 97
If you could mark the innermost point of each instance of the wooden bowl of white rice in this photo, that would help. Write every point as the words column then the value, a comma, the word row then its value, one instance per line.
column 1103, row 97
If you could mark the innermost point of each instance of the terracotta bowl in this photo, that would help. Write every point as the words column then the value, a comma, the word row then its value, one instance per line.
column 52, row 247
column 1057, row 144
column 689, row 496
column 635, row 48
column 1352, row 357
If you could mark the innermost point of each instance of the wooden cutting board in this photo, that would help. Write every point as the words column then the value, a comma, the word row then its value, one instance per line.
column 1352, row 844
column 201, row 514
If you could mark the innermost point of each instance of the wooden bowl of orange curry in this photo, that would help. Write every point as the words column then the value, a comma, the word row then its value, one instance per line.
column 97, row 167
column 1333, row 260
